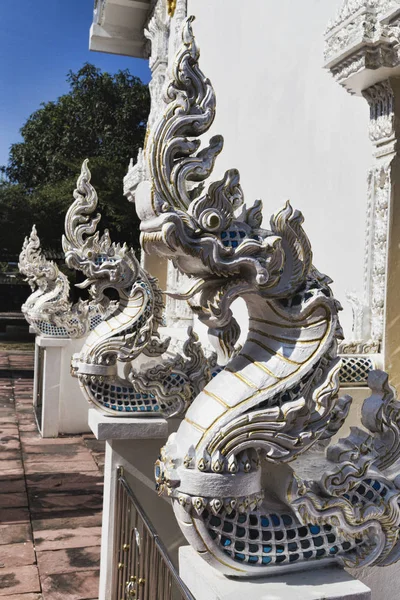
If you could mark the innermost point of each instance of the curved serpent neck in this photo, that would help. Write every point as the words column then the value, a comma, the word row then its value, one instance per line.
column 108, row 364
column 251, row 484
column 48, row 309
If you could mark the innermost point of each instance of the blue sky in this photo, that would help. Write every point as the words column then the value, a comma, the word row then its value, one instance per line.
column 40, row 41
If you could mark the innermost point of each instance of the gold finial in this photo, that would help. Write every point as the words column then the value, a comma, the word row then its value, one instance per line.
column 171, row 7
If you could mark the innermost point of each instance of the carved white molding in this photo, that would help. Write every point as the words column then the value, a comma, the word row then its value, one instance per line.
column 163, row 33
column 363, row 54
column 362, row 42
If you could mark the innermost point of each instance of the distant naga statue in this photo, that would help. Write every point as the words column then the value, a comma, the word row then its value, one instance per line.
column 254, row 483
column 125, row 368
column 48, row 309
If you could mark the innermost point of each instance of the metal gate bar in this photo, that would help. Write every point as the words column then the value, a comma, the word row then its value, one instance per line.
column 144, row 570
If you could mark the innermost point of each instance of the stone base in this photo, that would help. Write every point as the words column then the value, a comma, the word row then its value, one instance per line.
column 132, row 443
column 59, row 404
column 330, row 583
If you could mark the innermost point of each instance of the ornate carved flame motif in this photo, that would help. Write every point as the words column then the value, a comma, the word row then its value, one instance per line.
column 48, row 309
column 130, row 332
column 250, row 483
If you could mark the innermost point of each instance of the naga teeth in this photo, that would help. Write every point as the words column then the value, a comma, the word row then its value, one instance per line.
column 199, row 504
column 229, row 505
column 216, row 505
column 232, row 465
column 217, row 462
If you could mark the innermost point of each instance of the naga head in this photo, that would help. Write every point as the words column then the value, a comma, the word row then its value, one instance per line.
column 207, row 230
column 39, row 271
column 105, row 264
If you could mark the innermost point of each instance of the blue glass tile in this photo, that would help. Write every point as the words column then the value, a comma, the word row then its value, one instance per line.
column 240, row 557
column 264, row 521
column 239, row 546
column 315, row 529
column 253, row 559
column 266, row 560
column 287, row 520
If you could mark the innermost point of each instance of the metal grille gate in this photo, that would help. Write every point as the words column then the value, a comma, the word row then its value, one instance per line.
column 144, row 570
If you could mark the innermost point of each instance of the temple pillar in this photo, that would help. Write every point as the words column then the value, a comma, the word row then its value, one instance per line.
column 361, row 53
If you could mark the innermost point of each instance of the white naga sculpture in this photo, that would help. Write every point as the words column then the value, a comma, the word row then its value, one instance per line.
column 48, row 309
column 251, row 485
column 107, row 366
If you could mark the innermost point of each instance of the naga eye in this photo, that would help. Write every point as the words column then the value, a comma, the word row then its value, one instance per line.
column 210, row 220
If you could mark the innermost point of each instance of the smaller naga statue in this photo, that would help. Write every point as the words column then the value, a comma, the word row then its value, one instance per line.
column 125, row 368
column 253, row 481
column 48, row 309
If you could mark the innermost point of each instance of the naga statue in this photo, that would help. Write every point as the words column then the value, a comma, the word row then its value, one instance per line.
column 125, row 368
column 48, row 309
column 256, row 481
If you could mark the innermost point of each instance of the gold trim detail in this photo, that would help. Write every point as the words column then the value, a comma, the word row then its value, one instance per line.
column 171, row 7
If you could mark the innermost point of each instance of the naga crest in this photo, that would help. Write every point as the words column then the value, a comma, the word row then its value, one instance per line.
column 252, row 485
column 48, row 309
column 125, row 366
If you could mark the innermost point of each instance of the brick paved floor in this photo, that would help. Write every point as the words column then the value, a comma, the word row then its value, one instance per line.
column 50, row 500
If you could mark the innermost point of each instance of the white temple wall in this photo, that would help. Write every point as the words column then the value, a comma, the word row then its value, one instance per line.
column 289, row 128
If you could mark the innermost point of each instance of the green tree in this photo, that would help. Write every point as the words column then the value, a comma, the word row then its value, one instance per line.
column 103, row 118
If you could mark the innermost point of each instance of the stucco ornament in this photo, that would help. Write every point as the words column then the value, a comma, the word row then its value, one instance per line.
column 124, row 366
column 365, row 35
column 247, row 473
column 48, row 309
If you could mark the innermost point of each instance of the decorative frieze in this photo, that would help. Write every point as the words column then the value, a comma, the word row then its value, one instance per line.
column 364, row 37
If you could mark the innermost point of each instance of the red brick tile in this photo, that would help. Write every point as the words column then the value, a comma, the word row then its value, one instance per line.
column 10, row 465
column 17, row 555
column 26, row 597
column 58, row 539
column 64, row 482
column 19, row 581
column 14, row 515
column 11, row 483
column 12, row 444
column 68, row 560
column 60, row 441
column 15, row 533
column 67, row 522
column 14, row 500
column 60, row 467
column 63, row 586
column 43, row 503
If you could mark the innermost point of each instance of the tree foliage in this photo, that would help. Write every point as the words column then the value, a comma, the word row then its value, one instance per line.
column 103, row 118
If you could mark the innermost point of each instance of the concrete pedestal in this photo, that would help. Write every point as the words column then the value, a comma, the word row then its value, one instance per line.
column 134, row 444
column 57, row 398
column 205, row 583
